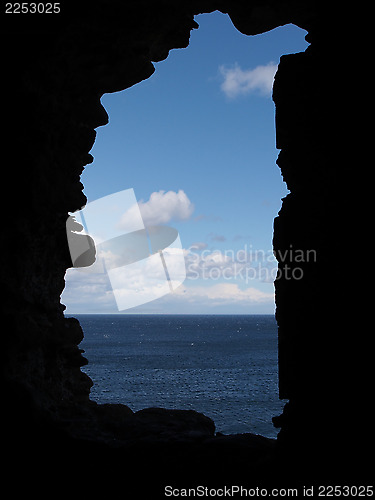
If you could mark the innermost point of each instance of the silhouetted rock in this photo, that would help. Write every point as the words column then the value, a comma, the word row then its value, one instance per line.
column 176, row 424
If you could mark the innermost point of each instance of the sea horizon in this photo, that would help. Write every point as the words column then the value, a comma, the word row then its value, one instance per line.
column 164, row 314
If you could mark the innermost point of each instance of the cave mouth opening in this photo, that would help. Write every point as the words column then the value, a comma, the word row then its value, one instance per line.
column 196, row 136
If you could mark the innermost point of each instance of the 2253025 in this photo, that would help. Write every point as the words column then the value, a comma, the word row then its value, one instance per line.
column 32, row 8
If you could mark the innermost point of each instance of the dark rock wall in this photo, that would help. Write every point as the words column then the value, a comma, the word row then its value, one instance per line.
column 324, row 364
column 56, row 71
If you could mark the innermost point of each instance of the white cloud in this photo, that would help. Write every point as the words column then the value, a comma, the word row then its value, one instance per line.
column 221, row 293
column 215, row 280
column 199, row 245
column 131, row 285
column 229, row 265
column 241, row 82
column 85, row 292
column 165, row 206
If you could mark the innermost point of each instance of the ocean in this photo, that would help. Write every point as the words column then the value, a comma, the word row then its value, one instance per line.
column 224, row 366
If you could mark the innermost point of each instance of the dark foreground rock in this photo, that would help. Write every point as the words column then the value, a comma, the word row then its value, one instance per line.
column 117, row 425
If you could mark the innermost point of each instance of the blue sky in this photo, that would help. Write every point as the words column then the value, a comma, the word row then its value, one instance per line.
column 196, row 143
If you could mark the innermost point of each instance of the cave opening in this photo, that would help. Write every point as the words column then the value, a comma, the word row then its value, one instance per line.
column 56, row 69
column 202, row 125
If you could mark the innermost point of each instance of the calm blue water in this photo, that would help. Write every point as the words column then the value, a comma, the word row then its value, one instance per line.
column 222, row 366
